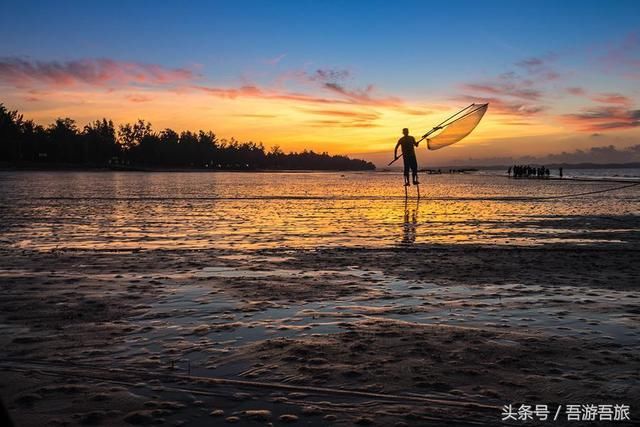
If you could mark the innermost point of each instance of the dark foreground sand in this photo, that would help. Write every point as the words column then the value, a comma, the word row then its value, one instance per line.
column 427, row 335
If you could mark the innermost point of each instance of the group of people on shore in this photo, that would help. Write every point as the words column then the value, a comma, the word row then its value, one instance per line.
column 528, row 171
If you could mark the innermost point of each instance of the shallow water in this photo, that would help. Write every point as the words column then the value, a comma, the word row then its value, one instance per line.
column 120, row 210
column 205, row 326
column 212, row 313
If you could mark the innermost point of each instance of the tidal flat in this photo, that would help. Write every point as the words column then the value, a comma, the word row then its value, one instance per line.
column 360, row 309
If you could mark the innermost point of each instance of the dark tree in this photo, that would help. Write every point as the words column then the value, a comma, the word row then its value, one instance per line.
column 10, row 123
column 100, row 141
column 65, row 141
column 138, row 146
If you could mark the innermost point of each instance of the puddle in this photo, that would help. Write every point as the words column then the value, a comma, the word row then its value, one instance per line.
column 204, row 324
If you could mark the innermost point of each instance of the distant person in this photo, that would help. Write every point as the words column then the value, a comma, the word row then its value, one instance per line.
column 560, row 172
column 509, row 171
column 408, row 144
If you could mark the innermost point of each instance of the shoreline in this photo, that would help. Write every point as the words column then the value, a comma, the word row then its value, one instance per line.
column 464, row 169
column 151, row 170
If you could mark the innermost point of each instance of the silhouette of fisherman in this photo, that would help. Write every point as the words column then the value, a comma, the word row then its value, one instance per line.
column 408, row 144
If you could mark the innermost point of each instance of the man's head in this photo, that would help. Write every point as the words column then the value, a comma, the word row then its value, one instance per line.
column 405, row 131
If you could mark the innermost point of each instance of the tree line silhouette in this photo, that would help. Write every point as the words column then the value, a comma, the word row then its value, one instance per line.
column 137, row 145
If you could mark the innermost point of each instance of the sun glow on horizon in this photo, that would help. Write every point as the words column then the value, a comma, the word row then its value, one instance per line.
column 291, row 124
column 306, row 88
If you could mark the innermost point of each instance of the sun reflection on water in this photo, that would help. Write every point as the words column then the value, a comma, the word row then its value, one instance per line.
column 87, row 210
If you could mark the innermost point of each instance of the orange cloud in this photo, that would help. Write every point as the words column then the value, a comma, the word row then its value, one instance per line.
column 344, row 96
column 612, row 98
column 603, row 98
column 505, row 107
column 341, row 123
column 603, row 118
column 348, row 114
column 344, row 118
column 96, row 72
column 333, row 80
column 363, row 97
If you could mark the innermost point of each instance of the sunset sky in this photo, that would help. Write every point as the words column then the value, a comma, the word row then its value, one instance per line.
column 336, row 76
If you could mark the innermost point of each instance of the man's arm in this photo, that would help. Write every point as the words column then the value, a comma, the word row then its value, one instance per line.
column 395, row 151
column 415, row 142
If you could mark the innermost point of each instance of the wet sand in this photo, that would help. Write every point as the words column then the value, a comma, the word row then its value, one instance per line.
column 426, row 335
column 257, row 299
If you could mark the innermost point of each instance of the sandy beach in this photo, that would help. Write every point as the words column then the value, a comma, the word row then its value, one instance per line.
column 314, row 213
column 444, row 321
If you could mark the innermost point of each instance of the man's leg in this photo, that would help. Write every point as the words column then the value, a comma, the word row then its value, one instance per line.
column 406, row 172
column 414, row 170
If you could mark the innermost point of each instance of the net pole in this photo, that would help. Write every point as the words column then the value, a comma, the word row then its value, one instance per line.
column 467, row 114
column 452, row 122
column 401, row 154
column 444, row 123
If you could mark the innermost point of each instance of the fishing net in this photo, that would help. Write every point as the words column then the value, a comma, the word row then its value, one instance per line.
column 458, row 128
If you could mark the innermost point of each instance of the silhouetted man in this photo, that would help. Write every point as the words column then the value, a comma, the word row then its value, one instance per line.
column 408, row 144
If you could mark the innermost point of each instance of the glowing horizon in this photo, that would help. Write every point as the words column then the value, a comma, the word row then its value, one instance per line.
column 550, row 95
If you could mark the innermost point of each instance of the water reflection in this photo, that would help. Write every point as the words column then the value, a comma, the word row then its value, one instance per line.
column 410, row 223
column 272, row 210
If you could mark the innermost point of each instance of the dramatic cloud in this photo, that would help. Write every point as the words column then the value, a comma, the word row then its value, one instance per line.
column 321, row 86
column 511, row 92
column 524, row 94
column 252, row 91
column 341, row 94
column 334, row 80
column 96, row 72
column 603, row 118
column 501, row 106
